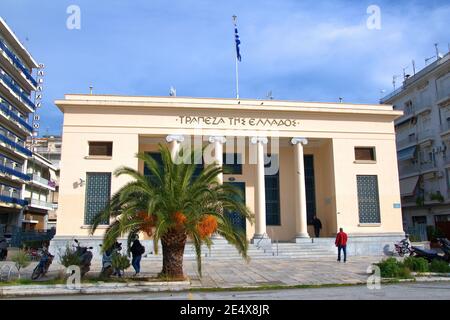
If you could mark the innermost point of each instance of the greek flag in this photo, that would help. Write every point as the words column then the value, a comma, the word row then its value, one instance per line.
column 238, row 42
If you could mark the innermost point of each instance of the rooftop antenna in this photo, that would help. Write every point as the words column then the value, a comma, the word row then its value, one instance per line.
column 437, row 51
column 90, row 89
column 172, row 92
column 382, row 91
column 269, row 95
column 414, row 66
column 340, row 99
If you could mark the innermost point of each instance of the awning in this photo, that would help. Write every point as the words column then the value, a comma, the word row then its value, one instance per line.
column 406, row 154
column 408, row 185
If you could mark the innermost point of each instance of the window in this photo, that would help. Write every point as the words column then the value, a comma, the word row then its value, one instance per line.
column 98, row 193
column 365, row 153
column 100, row 148
column 368, row 200
column 232, row 163
column 272, row 184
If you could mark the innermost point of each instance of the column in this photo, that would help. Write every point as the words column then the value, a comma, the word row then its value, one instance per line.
column 301, row 223
column 174, row 141
column 260, row 192
column 218, row 142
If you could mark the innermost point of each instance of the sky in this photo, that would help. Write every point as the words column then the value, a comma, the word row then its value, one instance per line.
column 298, row 50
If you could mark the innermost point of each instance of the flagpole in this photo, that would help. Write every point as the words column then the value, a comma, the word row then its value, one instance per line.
column 237, row 62
column 237, row 79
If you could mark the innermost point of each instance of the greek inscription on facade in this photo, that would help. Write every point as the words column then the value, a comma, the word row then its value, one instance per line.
column 237, row 121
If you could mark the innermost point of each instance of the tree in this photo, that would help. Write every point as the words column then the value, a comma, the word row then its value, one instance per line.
column 174, row 202
column 21, row 260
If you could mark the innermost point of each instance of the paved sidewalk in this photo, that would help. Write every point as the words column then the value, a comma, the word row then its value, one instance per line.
column 259, row 272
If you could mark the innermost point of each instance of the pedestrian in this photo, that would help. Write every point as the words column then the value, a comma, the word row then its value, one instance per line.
column 341, row 244
column 137, row 250
column 3, row 248
column 317, row 226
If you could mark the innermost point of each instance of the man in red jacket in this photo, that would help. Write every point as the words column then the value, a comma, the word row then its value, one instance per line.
column 341, row 243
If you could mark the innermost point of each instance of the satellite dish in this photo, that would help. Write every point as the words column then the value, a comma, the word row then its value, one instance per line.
column 172, row 92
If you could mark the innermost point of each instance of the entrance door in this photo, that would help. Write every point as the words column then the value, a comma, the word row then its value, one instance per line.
column 237, row 219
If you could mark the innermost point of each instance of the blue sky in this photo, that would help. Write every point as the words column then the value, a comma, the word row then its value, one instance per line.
column 299, row 50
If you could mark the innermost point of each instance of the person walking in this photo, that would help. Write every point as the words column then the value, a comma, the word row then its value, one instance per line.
column 3, row 248
column 137, row 250
column 341, row 244
column 317, row 226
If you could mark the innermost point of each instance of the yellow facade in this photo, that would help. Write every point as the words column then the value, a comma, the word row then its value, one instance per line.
column 332, row 131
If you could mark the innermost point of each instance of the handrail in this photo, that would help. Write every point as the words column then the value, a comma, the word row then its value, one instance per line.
column 15, row 145
column 11, row 114
column 17, row 63
column 6, row 78
column 14, row 172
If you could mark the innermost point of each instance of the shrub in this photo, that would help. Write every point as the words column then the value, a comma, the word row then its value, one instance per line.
column 69, row 257
column 389, row 268
column 439, row 266
column 120, row 262
column 416, row 264
column 21, row 260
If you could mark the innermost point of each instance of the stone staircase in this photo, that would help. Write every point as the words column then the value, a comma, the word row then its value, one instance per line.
column 221, row 250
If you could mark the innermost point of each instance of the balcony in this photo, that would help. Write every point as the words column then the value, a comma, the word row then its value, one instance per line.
column 21, row 96
column 408, row 169
column 13, row 117
column 14, row 171
column 14, row 146
column 425, row 135
column 40, row 204
column 41, row 182
column 12, row 198
column 428, row 166
column 17, row 63
column 404, row 142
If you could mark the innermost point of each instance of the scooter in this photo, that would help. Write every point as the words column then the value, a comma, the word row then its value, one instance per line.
column 403, row 248
column 43, row 265
column 85, row 257
column 107, row 267
column 431, row 255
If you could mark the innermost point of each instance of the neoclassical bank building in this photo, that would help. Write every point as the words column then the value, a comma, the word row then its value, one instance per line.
column 292, row 160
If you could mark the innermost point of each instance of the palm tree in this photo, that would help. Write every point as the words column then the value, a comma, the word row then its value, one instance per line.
column 171, row 204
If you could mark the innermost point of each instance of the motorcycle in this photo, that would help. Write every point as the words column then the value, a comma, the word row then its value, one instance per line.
column 107, row 267
column 431, row 255
column 43, row 265
column 403, row 247
column 85, row 257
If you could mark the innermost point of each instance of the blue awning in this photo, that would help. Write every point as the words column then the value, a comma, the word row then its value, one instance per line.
column 406, row 154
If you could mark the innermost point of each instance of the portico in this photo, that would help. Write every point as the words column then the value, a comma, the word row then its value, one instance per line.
column 293, row 160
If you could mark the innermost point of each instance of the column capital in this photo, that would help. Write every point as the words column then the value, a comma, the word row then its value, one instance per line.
column 174, row 137
column 256, row 140
column 296, row 140
column 220, row 139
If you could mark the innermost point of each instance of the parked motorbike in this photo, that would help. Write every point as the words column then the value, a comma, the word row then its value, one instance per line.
column 431, row 255
column 107, row 267
column 85, row 257
column 43, row 265
column 403, row 247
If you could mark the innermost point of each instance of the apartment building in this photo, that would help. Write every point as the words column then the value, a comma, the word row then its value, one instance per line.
column 16, row 85
column 423, row 147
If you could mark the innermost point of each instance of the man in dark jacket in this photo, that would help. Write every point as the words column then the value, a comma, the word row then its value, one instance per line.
column 341, row 244
column 137, row 250
column 317, row 226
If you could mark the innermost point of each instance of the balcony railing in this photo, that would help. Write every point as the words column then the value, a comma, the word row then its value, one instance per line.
column 11, row 115
column 14, row 172
column 15, row 145
column 406, row 141
column 41, row 180
column 40, row 203
column 408, row 169
column 427, row 166
column 6, row 197
column 423, row 135
column 15, row 88
column 17, row 63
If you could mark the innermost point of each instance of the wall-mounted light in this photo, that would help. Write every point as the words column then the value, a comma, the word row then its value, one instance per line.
column 81, row 182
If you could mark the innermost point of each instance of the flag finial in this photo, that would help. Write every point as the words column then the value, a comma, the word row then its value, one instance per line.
column 234, row 19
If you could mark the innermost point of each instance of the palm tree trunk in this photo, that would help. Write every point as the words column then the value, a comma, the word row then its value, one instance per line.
column 173, row 243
